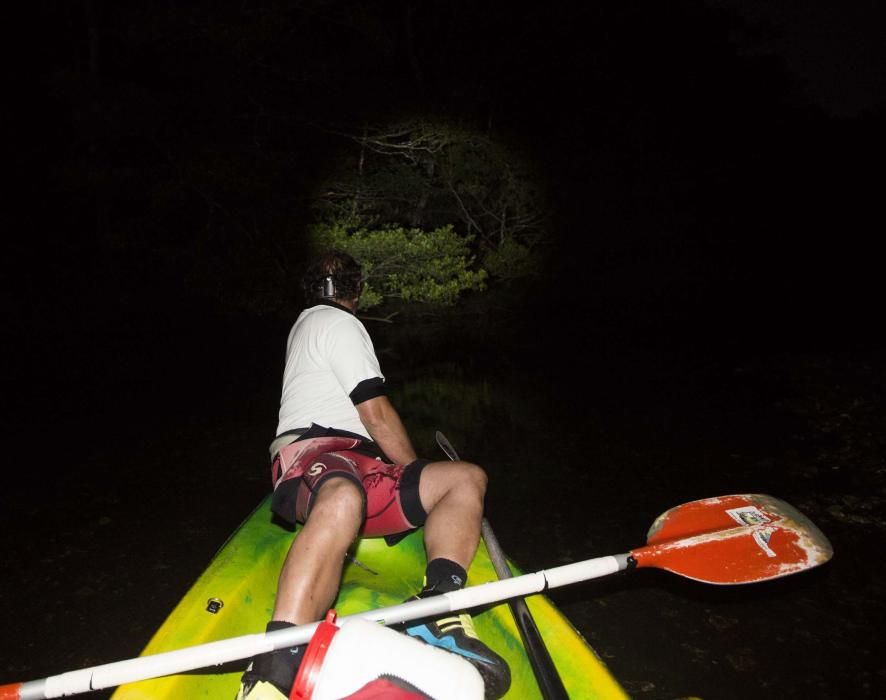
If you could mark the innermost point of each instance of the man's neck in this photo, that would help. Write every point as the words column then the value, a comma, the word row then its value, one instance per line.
column 349, row 305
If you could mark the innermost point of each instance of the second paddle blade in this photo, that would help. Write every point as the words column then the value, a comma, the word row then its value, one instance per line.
column 734, row 539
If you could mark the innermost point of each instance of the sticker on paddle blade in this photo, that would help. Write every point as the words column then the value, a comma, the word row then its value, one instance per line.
column 762, row 537
column 749, row 515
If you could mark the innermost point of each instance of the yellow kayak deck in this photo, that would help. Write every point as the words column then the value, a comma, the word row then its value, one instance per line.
column 242, row 579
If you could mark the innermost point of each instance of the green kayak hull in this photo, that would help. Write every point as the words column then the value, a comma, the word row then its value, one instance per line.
column 240, row 584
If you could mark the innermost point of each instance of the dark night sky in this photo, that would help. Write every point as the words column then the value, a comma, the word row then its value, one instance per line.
column 710, row 168
column 834, row 49
column 710, row 163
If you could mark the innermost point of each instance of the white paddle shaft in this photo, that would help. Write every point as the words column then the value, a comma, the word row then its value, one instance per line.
column 235, row 648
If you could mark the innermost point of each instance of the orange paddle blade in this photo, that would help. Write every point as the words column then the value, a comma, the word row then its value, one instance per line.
column 734, row 539
column 10, row 692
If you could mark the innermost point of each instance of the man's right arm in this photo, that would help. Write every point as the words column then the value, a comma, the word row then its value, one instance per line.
column 383, row 423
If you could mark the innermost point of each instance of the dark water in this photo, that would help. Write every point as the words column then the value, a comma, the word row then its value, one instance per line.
column 127, row 471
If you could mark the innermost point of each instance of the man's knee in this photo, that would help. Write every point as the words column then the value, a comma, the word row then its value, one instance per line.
column 473, row 476
column 339, row 498
column 477, row 475
column 442, row 480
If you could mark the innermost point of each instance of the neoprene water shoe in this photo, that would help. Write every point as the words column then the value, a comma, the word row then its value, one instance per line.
column 259, row 690
column 456, row 634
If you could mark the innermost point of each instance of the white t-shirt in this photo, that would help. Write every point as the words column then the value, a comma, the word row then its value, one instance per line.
column 330, row 367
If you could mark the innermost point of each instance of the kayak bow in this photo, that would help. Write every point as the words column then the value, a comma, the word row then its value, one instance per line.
column 240, row 585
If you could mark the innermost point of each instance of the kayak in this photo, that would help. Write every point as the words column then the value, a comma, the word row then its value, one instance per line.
column 235, row 596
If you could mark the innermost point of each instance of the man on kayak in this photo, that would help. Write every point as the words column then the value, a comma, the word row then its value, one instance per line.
column 343, row 464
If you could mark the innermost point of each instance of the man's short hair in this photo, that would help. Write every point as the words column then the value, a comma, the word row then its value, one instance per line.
column 333, row 275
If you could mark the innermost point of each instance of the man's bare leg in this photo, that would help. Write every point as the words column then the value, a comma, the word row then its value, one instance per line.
column 452, row 495
column 311, row 575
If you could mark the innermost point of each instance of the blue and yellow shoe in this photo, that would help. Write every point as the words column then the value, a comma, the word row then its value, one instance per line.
column 456, row 634
column 259, row 690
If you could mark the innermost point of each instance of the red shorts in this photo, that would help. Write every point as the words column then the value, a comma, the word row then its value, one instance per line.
column 391, row 502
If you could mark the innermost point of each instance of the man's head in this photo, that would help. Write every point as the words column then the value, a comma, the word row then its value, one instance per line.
column 335, row 276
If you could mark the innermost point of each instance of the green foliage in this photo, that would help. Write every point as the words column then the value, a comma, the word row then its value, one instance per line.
column 430, row 173
column 410, row 264
column 510, row 260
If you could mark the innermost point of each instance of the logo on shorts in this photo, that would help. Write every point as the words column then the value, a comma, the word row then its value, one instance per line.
column 316, row 469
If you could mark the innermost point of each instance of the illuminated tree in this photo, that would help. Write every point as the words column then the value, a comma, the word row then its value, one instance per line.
column 430, row 174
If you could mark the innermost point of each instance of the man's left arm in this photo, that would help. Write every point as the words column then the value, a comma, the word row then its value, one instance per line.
column 383, row 423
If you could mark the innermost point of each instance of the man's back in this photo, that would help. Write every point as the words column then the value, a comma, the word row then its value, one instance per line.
column 329, row 356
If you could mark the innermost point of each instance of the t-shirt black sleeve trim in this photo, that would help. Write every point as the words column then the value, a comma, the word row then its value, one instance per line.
column 368, row 389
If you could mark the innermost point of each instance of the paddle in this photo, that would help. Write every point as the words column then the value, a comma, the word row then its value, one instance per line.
column 726, row 540
column 549, row 682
